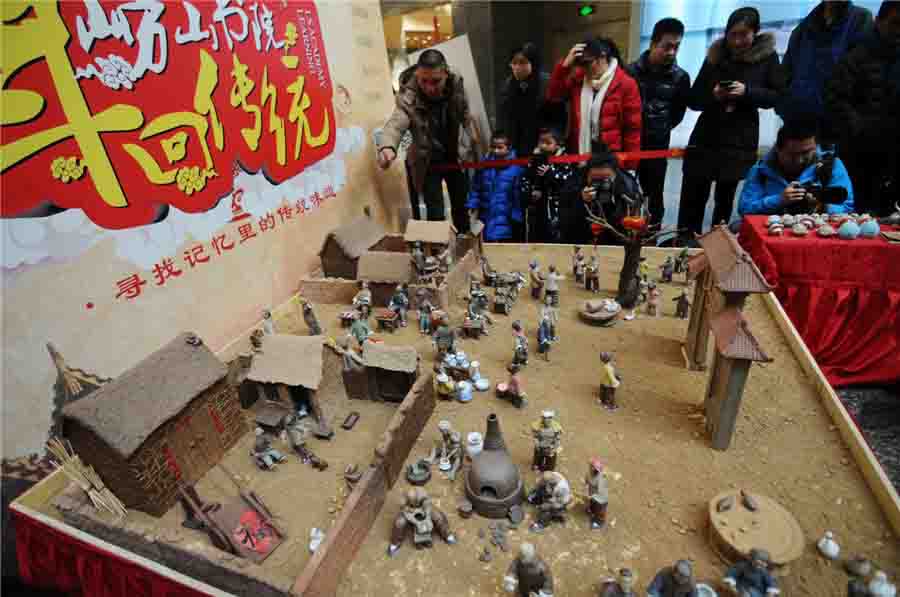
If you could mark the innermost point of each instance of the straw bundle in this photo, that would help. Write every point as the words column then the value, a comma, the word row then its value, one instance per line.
column 85, row 476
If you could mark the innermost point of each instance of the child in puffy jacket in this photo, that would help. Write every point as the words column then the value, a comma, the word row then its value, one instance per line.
column 494, row 196
column 544, row 190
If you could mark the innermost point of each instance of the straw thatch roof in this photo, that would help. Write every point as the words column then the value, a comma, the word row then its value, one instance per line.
column 390, row 358
column 289, row 360
column 356, row 236
column 385, row 266
column 124, row 412
column 439, row 232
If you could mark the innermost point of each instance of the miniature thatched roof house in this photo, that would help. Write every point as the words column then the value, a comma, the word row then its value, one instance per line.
column 384, row 270
column 344, row 245
column 168, row 419
column 289, row 369
column 389, row 373
column 435, row 236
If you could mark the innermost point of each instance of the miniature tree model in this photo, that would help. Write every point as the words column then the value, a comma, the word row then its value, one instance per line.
column 635, row 233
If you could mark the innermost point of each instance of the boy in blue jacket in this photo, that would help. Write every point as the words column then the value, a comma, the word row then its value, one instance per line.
column 494, row 196
column 796, row 177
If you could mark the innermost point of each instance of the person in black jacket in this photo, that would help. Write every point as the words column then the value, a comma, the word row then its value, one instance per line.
column 739, row 76
column 816, row 45
column 545, row 188
column 665, row 89
column 522, row 106
column 863, row 101
column 605, row 190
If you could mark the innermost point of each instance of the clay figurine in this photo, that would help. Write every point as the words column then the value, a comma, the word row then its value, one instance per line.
column 551, row 284
column 448, row 451
column 444, row 339
column 399, row 304
column 512, row 390
column 545, row 336
column 609, row 381
column 264, row 454
column 423, row 519
column 551, row 312
column 592, row 275
column 644, row 268
column 362, row 302
column 425, row 309
column 623, row 587
column 652, row 300
column 267, row 323
column 296, row 434
column 360, row 330
column 444, row 387
column 667, row 269
column 445, row 261
column 309, row 317
column 528, row 575
column 681, row 261
column 520, row 345
column 578, row 264
column 598, row 492
column 352, row 360
column 476, row 310
column 547, row 433
column 418, row 259
column 536, row 279
column 751, row 577
column 552, row 497
column 487, row 272
column 674, row 581
column 683, row 305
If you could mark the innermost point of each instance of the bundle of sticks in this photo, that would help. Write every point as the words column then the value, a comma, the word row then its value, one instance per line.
column 85, row 476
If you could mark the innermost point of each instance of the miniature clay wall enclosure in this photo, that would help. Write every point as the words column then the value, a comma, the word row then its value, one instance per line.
column 322, row 575
column 337, row 291
column 64, row 273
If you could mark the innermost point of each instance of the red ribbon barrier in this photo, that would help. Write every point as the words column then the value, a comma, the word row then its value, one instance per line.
column 622, row 156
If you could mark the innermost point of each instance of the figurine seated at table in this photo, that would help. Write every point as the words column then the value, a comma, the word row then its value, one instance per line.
column 797, row 177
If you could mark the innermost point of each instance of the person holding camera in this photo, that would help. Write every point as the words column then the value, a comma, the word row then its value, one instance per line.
column 606, row 191
column 739, row 76
column 604, row 101
column 797, row 177
column 543, row 188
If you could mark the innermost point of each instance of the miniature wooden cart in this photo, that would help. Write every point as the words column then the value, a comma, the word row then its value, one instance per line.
column 387, row 320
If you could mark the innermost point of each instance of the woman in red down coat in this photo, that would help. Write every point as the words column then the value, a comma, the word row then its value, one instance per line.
column 605, row 108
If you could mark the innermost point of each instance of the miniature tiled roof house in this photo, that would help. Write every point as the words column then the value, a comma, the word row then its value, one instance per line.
column 388, row 375
column 435, row 236
column 344, row 245
column 168, row 419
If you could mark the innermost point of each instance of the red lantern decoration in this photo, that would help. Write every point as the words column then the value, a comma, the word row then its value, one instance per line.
column 634, row 222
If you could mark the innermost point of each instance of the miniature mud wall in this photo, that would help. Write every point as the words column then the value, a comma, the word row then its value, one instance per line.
column 323, row 573
column 392, row 242
column 329, row 291
column 457, row 280
column 110, row 281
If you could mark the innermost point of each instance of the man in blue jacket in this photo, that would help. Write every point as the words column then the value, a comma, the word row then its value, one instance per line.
column 816, row 45
column 796, row 177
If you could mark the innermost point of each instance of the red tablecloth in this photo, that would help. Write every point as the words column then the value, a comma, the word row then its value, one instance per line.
column 842, row 296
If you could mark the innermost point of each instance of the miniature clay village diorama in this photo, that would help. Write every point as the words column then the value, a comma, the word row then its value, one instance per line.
column 415, row 422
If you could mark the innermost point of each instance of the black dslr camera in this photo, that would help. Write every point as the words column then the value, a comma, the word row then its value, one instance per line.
column 826, row 195
column 603, row 191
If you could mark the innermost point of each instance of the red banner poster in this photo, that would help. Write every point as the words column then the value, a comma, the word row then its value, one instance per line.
column 121, row 109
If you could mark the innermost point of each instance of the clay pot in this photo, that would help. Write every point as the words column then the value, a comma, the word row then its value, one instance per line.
column 799, row 229
column 849, row 230
column 826, row 230
column 776, row 230
column 869, row 229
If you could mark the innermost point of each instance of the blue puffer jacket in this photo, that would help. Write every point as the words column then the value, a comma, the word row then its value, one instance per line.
column 495, row 194
column 764, row 184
